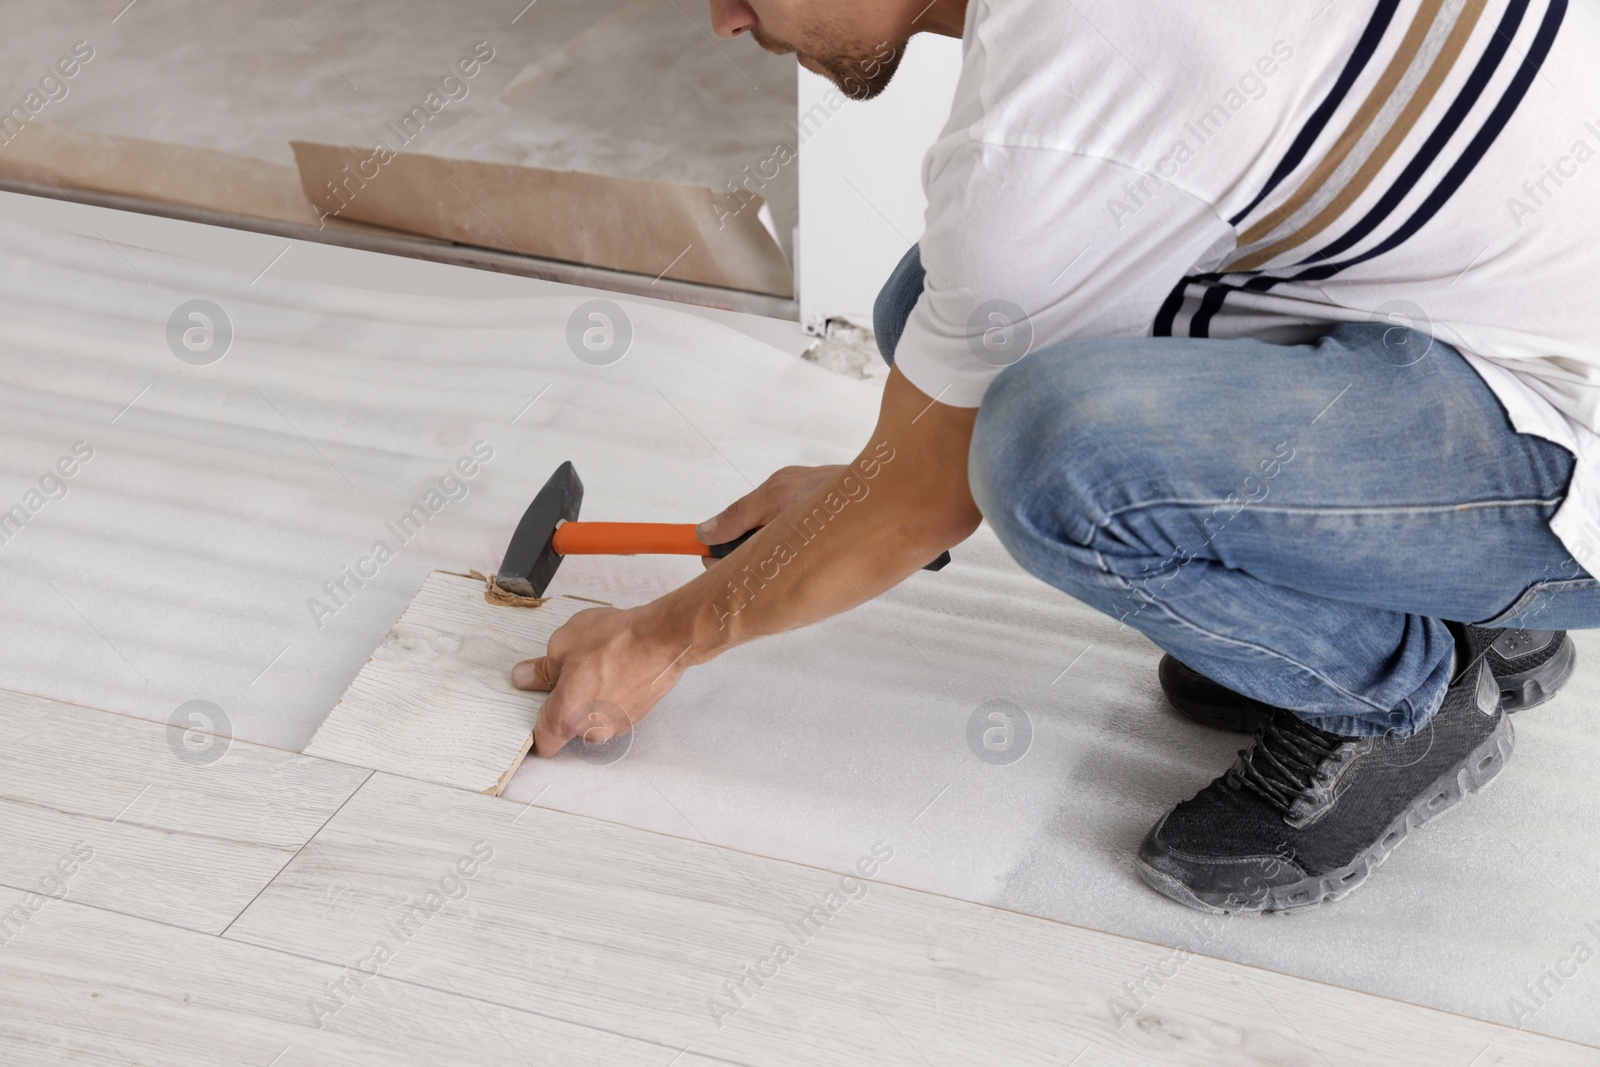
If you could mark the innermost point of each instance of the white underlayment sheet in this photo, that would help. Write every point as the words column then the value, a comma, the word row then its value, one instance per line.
column 179, row 564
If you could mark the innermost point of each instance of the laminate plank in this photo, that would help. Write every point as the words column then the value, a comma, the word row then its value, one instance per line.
column 435, row 701
column 122, row 814
column 91, row 988
column 659, row 938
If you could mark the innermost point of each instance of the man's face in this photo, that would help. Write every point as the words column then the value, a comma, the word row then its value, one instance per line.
column 854, row 43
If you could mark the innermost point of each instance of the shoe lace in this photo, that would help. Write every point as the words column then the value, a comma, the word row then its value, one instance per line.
column 1285, row 758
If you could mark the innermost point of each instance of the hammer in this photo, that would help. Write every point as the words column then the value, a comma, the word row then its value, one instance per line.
column 550, row 531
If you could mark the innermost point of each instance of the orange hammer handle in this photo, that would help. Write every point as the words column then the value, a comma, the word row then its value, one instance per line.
column 627, row 539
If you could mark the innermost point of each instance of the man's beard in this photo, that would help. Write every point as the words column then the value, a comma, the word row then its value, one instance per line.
column 859, row 77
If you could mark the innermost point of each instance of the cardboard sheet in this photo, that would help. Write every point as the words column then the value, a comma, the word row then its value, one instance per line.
column 656, row 228
column 174, row 173
column 629, row 116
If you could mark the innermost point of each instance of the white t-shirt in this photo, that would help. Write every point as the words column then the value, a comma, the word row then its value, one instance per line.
column 1264, row 168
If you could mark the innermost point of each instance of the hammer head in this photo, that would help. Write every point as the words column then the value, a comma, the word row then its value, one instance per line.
column 531, row 560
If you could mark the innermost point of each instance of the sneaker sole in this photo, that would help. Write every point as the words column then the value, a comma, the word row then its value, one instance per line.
column 1532, row 688
column 1472, row 775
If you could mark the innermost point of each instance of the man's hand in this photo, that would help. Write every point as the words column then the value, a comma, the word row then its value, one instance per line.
column 766, row 502
column 602, row 696
column 829, row 539
column 604, row 671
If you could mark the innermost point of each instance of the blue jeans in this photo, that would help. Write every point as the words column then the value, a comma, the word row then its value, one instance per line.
column 1293, row 521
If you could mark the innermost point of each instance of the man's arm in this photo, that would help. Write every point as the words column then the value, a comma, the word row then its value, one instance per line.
column 902, row 501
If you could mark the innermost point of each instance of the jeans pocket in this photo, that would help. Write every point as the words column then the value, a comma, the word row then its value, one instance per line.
column 1557, row 604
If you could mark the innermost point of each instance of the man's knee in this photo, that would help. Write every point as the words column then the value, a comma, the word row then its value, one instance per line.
column 1033, row 448
column 1055, row 437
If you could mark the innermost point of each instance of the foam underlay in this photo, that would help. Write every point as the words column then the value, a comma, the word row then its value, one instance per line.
column 180, row 563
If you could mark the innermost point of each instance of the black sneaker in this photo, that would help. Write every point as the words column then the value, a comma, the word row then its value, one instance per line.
column 1305, row 816
column 1530, row 665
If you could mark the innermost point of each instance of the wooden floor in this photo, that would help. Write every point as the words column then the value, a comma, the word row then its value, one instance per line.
column 435, row 701
column 162, row 907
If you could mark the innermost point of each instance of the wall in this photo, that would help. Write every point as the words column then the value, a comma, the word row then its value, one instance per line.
column 861, row 201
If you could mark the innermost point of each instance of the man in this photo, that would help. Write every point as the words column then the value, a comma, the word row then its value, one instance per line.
column 1307, row 298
